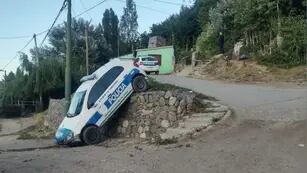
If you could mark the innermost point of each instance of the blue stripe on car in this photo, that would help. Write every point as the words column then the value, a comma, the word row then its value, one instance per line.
column 94, row 118
column 121, row 88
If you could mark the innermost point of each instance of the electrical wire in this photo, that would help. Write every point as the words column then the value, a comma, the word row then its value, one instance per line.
column 89, row 9
column 52, row 25
column 168, row 2
column 145, row 7
column 15, row 37
column 21, row 37
column 17, row 53
column 83, row 6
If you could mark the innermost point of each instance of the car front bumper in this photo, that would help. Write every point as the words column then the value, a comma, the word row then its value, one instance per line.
column 64, row 136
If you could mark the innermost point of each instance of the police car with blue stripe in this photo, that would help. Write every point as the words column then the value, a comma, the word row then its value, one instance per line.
column 97, row 99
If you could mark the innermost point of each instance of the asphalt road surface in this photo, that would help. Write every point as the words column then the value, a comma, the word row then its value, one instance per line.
column 266, row 135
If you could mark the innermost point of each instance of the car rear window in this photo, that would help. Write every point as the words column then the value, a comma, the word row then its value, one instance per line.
column 149, row 59
column 103, row 84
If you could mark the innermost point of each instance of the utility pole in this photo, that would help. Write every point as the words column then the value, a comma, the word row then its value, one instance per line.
column 4, row 76
column 68, row 56
column 38, row 75
column 279, row 38
column 118, row 42
column 86, row 49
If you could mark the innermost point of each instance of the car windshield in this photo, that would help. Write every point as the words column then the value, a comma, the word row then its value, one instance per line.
column 76, row 104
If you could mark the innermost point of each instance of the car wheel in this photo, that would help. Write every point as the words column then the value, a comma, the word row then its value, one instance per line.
column 139, row 84
column 91, row 135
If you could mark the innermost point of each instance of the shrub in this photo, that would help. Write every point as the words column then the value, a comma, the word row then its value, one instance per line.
column 292, row 50
column 207, row 42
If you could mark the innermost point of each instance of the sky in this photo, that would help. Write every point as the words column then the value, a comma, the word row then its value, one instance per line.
column 26, row 17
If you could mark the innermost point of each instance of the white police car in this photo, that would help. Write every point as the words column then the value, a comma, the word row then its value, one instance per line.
column 96, row 100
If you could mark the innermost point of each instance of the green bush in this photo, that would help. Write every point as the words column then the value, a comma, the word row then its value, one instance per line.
column 293, row 48
column 207, row 42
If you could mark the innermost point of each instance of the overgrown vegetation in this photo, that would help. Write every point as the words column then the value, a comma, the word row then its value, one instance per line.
column 42, row 72
column 38, row 130
column 271, row 30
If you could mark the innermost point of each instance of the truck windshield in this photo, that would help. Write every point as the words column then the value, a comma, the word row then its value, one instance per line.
column 76, row 104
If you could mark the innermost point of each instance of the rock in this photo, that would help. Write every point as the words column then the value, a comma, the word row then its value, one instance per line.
column 143, row 135
column 119, row 129
column 142, row 99
column 189, row 100
column 172, row 109
column 168, row 94
column 150, row 99
column 181, row 125
column 163, row 115
column 147, row 122
column 146, row 112
column 161, row 101
column 164, row 124
column 179, row 110
column 218, row 109
column 133, row 99
column 183, row 103
column 149, row 105
column 146, row 128
column 172, row 116
column 161, row 93
column 56, row 113
column 172, row 101
column 140, row 130
column 125, row 123
column 146, row 98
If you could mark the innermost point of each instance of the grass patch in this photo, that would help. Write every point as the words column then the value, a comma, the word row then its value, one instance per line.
column 37, row 131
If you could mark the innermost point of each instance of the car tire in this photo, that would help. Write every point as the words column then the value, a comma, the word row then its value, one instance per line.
column 139, row 84
column 91, row 135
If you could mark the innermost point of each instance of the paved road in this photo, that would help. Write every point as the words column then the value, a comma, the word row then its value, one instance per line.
column 264, row 136
column 250, row 101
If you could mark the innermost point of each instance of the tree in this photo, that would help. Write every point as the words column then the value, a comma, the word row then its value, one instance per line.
column 129, row 24
column 110, row 30
column 143, row 40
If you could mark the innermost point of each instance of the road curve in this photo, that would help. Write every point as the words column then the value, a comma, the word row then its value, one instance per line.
column 250, row 101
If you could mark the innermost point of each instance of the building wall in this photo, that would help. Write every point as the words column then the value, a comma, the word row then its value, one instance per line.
column 167, row 57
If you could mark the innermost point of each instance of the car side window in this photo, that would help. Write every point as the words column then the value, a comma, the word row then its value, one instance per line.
column 103, row 84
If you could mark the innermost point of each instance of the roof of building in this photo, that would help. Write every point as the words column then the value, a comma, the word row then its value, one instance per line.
column 155, row 48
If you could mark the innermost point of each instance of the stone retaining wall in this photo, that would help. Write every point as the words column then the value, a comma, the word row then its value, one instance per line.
column 150, row 113
column 56, row 113
column 145, row 117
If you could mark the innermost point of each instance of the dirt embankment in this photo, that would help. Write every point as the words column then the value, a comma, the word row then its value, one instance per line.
column 248, row 71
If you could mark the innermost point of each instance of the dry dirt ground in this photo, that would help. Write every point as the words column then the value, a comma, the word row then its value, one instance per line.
column 247, row 72
column 266, row 134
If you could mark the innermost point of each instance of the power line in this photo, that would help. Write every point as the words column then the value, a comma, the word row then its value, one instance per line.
column 14, row 37
column 83, row 6
column 89, row 9
column 52, row 25
column 168, row 2
column 145, row 7
column 21, row 37
column 17, row 53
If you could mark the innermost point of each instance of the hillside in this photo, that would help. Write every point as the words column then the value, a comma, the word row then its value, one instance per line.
column 250, row 72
